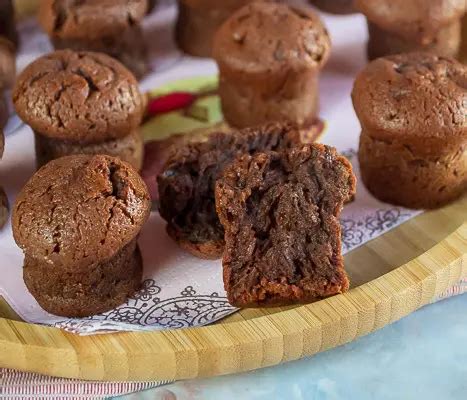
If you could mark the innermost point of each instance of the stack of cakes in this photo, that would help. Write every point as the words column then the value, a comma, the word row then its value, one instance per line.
column 413, row 145
column 77, row 221
column 269, row 57
column 107, row 26
column 399, row 26
column 84, row 103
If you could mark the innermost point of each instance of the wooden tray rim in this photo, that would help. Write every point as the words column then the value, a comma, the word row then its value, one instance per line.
column 239, row 346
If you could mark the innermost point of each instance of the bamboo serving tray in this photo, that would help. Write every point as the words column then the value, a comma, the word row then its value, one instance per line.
column 391, row 276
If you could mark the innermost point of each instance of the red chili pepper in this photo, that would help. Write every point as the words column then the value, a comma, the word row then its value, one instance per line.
column 170, row 102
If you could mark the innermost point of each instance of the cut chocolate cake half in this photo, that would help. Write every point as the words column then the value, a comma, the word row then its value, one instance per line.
column 280, row 212
column 187, row 183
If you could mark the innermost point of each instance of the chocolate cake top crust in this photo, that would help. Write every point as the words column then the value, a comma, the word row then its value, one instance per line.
column 414, row 19
column 78, row 96
column 264, row 38
column 412, row 96
column 280, row 213
column 187, row 182
column 90, row 19
column 80, row 210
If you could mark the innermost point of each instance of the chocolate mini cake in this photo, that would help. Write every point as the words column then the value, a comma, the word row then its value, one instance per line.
column 401, row 26
column 85, row 103
column 269, row 57
column 77, row 221
column 335, row 6
column 280, row 212
column 107, row 26
column 413, row 145
column 198, row 21
column 187, row 182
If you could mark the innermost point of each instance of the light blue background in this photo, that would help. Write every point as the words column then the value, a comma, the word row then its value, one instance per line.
column 423, row 356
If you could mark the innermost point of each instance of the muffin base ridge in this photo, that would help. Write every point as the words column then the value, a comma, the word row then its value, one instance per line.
column 445, row 43
column 394, row 174
column 129, row 48
column 243, row 105
column 130, row 148
column 98, row 289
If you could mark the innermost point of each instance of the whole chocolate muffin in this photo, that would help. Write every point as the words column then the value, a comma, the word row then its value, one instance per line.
column 77, row 221
column 401, row 26
column 187, row 182
column 198, row 21
column 280, row 212
column 412, row 108
column 335, row 6
column 84, row 102
column 269, row 57
column 107, row 26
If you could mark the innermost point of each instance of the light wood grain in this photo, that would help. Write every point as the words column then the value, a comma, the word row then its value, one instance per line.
column 433, row 247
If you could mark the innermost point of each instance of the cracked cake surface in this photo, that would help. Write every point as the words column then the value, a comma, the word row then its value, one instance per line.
column 412, row 96
column 80, row 210
column 280, row 212
column 78, row 96
column 295, row 38
column 187, row 182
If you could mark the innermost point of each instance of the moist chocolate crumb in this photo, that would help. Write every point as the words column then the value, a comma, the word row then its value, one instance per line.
column 280, row 212
column 187, row 183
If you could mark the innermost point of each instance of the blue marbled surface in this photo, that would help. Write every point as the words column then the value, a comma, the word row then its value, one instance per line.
column 423, row 356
